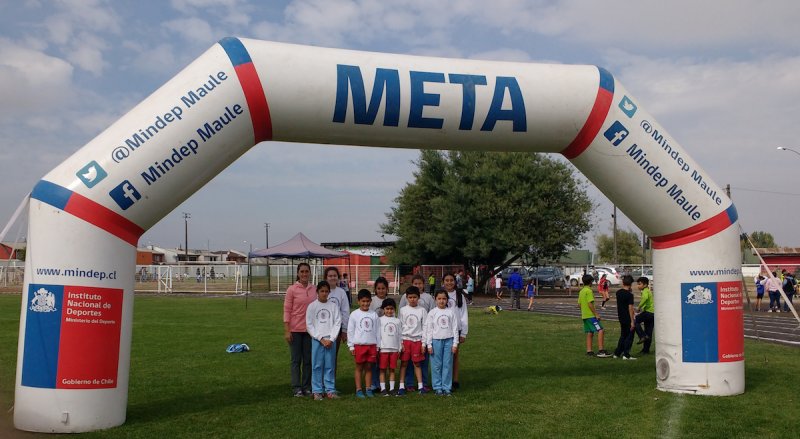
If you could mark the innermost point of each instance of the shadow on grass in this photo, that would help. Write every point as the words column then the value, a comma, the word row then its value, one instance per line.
column 200, row 401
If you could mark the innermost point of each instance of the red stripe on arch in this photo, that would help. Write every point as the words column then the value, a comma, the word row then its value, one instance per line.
column 256, row 101
column 707, row 228
column 104, row 218
column 597, row 116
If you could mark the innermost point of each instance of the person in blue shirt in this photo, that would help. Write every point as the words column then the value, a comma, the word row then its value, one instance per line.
column 515, row 285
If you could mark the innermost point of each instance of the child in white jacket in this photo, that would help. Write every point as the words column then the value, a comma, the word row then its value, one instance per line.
column 441, row 337
column 323, row 323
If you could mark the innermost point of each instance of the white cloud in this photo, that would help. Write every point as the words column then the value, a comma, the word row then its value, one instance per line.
column 31, row 80
column 193, row 29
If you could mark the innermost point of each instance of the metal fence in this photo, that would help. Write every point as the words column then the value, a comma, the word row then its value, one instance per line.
column 257, row 278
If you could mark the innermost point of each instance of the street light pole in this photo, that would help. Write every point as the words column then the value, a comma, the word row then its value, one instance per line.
column 186, row 217
column 266, row 228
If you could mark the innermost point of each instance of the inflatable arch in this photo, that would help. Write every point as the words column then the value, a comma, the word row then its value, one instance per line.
column 87, row 215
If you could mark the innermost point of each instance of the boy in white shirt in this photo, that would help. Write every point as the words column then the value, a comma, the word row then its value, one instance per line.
column 388, row 344
column 323, row 323
column 413, row 318
column 362, row 339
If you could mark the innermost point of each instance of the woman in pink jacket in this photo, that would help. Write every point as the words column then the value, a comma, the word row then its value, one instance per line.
column 298, row 297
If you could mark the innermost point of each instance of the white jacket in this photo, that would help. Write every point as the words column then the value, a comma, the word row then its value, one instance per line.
column 389, row 336
column 339, row 297
column 462, row 315
column 441, row 324
column 362, row 328
column 413, row 322
column 323, row 320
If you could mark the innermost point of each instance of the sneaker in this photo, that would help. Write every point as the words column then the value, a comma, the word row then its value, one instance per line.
column 447, row 394
column 306, row 392
column 590, row 354
column 386, row 393
column 439, row 393
column 298, row 393
column 401, row 392
column 318, row 397
column 423, row 391
column 427, row 389
column 333, row 395
column 360, row 394
column 629, row 358
column 370, row 394
column 615, row 356
column 603, row 354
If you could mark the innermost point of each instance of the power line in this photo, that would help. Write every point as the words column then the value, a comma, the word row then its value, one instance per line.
column 765, row 192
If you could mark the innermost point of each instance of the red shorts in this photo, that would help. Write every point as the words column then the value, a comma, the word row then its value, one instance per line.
column 412, row 350
column 389, row 360
column 366, row 353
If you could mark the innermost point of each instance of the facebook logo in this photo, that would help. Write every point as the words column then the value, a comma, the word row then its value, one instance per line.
column 125, row 194
column 627, row 106
column 616, row 134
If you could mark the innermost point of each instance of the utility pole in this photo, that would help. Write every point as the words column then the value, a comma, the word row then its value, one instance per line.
column 186, row 217
column 614, row 216
column 266, row 228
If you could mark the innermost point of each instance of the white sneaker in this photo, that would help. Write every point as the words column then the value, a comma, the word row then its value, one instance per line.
column 629, row 358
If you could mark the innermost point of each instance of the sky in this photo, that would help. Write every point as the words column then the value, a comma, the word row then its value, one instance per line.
column 722, row 76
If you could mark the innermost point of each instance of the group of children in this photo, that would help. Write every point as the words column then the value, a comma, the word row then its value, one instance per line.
column 425, row 329
column 633, row 320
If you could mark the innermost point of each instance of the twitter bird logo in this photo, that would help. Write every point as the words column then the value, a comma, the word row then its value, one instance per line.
column 627, row 106
column 91, row 174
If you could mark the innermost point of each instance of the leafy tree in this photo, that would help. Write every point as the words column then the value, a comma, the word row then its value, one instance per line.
column 487, row 208
column 763, row 239
column 629, row 247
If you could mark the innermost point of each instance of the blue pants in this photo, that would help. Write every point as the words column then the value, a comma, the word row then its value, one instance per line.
column 442, row 365
column 410, row 378
column 376, row 374
column 323, row 365
column 774, row 300
column 785, row 304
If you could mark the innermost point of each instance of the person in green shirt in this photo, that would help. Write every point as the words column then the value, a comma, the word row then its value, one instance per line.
column 645, row 315
column 591, row 319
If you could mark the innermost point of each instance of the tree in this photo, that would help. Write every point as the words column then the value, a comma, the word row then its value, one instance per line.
column 487, row 208
column 762, row 239
column 629, row 247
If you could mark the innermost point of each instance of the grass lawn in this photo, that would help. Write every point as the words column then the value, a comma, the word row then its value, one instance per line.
column 523, row 375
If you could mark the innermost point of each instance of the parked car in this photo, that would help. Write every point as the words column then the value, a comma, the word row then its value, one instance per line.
column 508, row 270
column 548, row 277
column 648, row 273
column 611, row 273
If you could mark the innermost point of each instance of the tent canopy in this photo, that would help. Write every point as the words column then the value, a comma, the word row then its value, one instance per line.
column 297, row 247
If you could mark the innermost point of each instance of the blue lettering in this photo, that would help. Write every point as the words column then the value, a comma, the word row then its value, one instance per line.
column 468, row 83
column 516, row 114
column 350, row 87
column 349, row 79
column 420, row 99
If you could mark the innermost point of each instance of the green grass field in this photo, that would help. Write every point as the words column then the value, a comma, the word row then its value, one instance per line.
column 523, row 375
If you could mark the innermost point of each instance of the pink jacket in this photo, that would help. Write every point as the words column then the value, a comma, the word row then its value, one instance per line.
column 295, row 304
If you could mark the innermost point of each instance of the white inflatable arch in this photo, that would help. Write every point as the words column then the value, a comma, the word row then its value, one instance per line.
column 87, row 215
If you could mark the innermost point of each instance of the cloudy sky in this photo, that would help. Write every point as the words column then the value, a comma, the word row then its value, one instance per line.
column 722, row 76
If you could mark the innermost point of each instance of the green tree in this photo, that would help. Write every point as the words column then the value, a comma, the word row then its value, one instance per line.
column 487, row 208
column 629, row 247
column 762, row 239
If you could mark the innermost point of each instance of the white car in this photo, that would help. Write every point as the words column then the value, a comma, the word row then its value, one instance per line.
column 611, row 273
